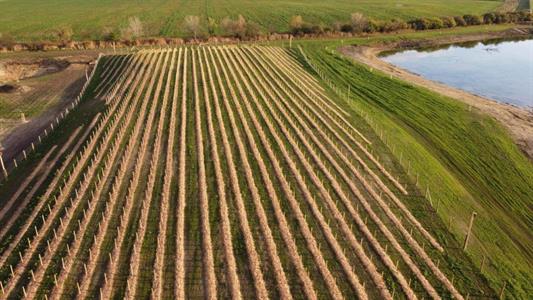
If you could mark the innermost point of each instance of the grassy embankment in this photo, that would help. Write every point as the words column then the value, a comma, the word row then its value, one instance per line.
column 89, row 20
column 466, row 159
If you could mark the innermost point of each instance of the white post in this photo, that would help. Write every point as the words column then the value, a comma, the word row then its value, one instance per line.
column 290, row 41
column 467, row 238
column 3, row 166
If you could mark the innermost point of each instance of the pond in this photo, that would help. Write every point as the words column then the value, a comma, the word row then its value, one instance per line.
column 500, row 70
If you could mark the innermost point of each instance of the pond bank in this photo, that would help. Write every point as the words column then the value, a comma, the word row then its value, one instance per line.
column 517, row 120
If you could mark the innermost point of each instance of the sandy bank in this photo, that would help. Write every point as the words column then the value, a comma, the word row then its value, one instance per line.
column 519, row 121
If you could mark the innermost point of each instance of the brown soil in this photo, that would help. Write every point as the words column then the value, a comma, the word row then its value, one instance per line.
column 518, row 120
column 13, row 70
column 8, row 88
column 52, row 82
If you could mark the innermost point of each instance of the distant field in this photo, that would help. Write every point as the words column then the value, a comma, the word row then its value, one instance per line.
column 30, row 20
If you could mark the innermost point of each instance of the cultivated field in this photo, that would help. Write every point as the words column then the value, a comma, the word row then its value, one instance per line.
column 89, row 20
column 221, row 172
column 465, row 158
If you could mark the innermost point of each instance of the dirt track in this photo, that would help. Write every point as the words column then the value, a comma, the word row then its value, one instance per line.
column 54, row 92
column 519, row 121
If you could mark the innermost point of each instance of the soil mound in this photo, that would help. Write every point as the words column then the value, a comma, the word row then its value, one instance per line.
column 11, row 70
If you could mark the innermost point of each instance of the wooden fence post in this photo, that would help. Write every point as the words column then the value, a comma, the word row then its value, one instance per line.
column 467, row 238
column 503, row 289
column 3, row 166
column 482, row 263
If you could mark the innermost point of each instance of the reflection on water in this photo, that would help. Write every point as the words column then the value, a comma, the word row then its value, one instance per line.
column 501, row 70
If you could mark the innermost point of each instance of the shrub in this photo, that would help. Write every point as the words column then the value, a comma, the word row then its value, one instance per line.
column 448, row 22
column 300, row 27
column 133, row 30
column 489, row 18
column 211, row 25
column 420, row 24
column 525, row 16
column 108, row 34
column 252, row 30
column 192, row 26
column 306, row 29
column 325, row 28
column 347, row 28
column 64, row 34
column 6, row 39
column 359, row 22
column 240, row 27
column 319, row 29
column 394, row 25
column 372, row 26
column 436, row 23
column 296, row 23
column 501, row 18
column 473, row 20
column 459, row 20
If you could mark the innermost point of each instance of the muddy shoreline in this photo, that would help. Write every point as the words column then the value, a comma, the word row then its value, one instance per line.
column 517, row 120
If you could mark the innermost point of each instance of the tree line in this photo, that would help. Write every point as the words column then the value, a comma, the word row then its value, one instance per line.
column 360, row 24
column 195, row 27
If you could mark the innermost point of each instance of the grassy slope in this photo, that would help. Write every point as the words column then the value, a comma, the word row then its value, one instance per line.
column 164, row 17
column 467, row 160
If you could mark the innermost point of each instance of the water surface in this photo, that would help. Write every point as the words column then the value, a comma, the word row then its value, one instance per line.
column 501, row 70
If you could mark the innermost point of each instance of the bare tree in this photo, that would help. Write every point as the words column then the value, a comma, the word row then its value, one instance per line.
column 296, row 22
column 64, row 34
column 133, row 30
column 234, row 27
column 192, row 25
column 226, row 25
column 211, row 25
column 359, row 21
column 240, row 26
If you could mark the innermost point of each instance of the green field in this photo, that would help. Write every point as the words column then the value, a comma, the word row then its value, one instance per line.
column 465, row 158
column 34, row 20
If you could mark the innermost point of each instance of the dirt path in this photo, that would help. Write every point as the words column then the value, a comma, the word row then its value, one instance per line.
column 519, row 121
column 47, row 88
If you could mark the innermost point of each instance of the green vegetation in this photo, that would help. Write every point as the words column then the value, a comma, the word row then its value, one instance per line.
column 55, row 19
column 359, row 23
column 466, row 159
